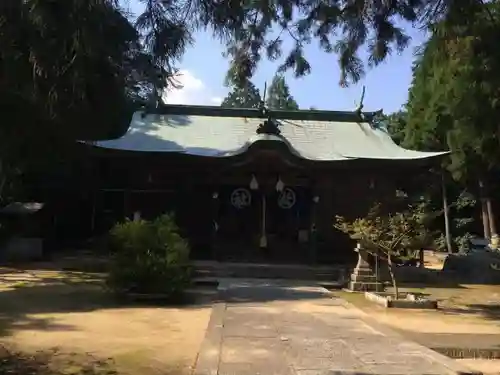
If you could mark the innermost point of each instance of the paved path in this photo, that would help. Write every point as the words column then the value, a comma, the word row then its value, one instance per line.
column 274, row 328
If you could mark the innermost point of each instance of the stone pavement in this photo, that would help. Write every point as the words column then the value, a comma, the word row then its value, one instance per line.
column 285, row 328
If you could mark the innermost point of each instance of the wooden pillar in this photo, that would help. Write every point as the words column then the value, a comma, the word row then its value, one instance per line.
column 126, row 198
column 325, row 207
column 314, row 229
column 322, row 203
column 214, row 182
column 316, row 220
column 263, row 223
column 93, row 212
column 215, row 223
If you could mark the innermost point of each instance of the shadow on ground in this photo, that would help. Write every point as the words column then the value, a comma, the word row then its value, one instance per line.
column 55, row 362
column 485, row 311
column 265, row 294
column 50, row 362
column 29, row 297
column 489, row 311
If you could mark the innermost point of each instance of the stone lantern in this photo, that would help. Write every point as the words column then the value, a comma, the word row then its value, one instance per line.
column 362, row 277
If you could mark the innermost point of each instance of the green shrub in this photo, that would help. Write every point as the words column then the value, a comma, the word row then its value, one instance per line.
column 149, row 257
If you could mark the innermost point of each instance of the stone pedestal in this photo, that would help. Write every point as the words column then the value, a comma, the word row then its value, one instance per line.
column 362, row 277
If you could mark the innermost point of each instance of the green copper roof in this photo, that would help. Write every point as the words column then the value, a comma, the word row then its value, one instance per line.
column 222, row 132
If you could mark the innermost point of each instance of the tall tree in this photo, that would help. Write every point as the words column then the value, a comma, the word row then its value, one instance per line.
column 278, row 95
column 63, row 65
column 243, row 97
column 248, row 28
column 454, row 102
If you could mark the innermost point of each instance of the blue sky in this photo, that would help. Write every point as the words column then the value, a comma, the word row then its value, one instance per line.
column 203, row 70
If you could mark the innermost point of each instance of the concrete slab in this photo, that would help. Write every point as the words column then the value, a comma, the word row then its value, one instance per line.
column 250, row 349
column 208, row 359
column 281, row 329
column 259, row 368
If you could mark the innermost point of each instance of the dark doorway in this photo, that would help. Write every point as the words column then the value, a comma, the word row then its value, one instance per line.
column 288, row 224
column 240, row 225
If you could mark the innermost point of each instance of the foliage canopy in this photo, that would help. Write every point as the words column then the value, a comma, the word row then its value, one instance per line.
column 453, row 102
column 390, row 234
column 247, row 96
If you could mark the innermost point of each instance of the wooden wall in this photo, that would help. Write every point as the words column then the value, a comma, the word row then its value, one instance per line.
column 156, row 184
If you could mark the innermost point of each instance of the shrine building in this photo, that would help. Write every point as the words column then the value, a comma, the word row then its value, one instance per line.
column 248, row 185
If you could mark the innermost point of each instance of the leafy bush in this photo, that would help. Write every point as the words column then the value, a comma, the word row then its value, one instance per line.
column 149, row 257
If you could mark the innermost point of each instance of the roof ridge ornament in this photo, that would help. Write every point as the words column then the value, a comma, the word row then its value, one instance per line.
column 269, row 126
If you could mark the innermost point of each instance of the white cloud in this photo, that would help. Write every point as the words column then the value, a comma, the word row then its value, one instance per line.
column 191, row 90
column 217, row 100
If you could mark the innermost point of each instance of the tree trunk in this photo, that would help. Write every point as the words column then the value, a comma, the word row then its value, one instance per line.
column 484, row 211
column 393, row 278
column 491, row 217
column 446, row 211
column 486, row 221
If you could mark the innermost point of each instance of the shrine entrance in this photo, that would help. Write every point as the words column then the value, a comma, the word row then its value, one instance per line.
column 288, row 224
column 263, row 225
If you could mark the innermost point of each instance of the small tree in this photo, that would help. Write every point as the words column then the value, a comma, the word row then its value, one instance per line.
column 389, row 235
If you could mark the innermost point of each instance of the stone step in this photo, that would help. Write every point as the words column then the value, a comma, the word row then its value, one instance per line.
column 364, row 278
column 230, row 270
column 366, row 286
column 205, row 281
column 362, row 271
